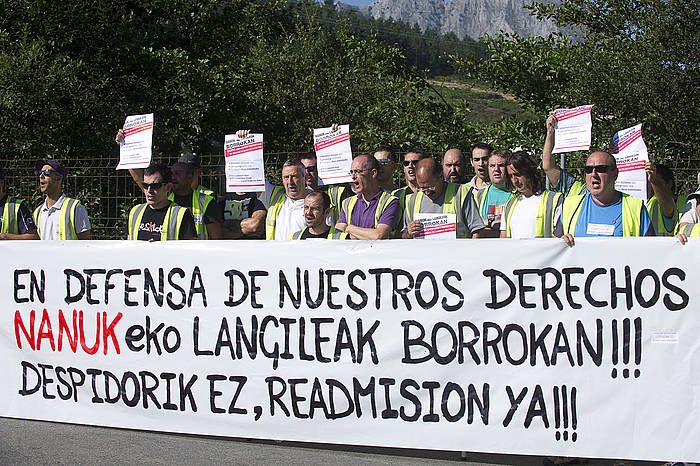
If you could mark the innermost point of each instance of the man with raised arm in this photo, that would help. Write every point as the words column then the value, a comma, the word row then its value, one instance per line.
column 159, row 219
column 602, row 211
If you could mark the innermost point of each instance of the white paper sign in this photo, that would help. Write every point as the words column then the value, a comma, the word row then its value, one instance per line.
column 245, row 169
column 437, row 226
column 135, row 147
column 572, row 129
column 524, row 347
column 334, row 155
column 630, row 153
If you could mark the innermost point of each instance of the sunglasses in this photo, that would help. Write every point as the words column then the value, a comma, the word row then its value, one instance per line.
column 598, row 168
column 153, row 186
column 47, row 172
column 412, row 163
column 311, row 168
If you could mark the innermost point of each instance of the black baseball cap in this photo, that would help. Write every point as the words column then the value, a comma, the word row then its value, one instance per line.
column 190, row 159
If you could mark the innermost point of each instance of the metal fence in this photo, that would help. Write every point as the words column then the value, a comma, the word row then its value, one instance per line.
column 109, row 194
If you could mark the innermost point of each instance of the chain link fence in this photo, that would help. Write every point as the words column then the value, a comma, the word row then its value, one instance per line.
column 109, row 194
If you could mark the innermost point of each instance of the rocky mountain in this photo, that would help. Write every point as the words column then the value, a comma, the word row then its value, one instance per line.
column 471, row 18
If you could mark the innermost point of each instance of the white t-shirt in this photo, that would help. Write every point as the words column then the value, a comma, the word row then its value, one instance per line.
column 523, row 221
column 691, row 212
column 290, row 219
column 49, row 219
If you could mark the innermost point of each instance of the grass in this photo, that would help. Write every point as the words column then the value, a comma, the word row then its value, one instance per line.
column 486, row 105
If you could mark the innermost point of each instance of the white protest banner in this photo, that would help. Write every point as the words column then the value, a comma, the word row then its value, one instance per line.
column 572, row 129
column 245, row 169
column 437, row 226
column 630, row 153
column 333, row 154
column 135, row 147
column 508, row 346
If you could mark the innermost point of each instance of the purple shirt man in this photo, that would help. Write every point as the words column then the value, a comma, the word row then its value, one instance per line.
column 363, row 207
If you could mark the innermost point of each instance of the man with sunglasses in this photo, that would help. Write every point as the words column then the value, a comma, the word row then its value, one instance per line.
column 386, row 157
column 602, row 211
column 410, row 160
column 159, row 219
column 16, row 220
column 436, row 196
column 310, row 161
column 372, row 212
column 59, row 217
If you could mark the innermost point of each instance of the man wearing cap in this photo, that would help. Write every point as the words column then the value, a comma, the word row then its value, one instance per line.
column 207, row 214
column 317, row 206
column 159, row 219
column 16, row 220
column 437, row 196
column 372, row 212
column 59, row 217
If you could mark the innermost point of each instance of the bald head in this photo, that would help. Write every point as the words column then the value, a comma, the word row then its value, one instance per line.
column 429, row 178
column 454, row 166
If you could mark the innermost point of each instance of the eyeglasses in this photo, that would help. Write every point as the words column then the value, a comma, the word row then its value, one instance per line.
column 47, row 172
column 411, row 163
column 154, row 186
column 357, row 171
column 311, row 168
column 384, row 162
column 598, row 168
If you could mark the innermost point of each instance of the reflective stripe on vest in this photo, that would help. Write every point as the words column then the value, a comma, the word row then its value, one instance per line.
column 336, row 192
column 200, row 202
column 10, row 214
column 450, row 205
column 631, row 214
column 657, row 218
column 171, row 223
column 384, row 200
column 276, row 202
column 691, row 230
column 66, row 219
column 544, row 222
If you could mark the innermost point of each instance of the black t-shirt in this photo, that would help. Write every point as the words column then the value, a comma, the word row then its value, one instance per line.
column 152, row 225
column 239, row 206
column 308, row 235
column 213, row 213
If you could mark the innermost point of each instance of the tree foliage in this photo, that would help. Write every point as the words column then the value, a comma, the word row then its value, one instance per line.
column 635, row 60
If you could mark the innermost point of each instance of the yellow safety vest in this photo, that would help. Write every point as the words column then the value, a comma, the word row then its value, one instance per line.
column 452, row 203
column 577, row 188
column 384, row 200
column 336, row 192
column 657, row 218
column 200, row 202
column 66, row 221
column 631, row 214
column 544, row 222
column 10, row 215
column 171, row 222
column 332, row 234
column 276, row 202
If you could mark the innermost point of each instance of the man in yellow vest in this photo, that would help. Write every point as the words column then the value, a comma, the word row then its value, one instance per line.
column 159, row 219
column 493, row 198
column 317, row 206
column 532, row 211
column 410, row 161
column 386, row 156
column 59, row 217
column 436, row 196
column 372, row 212
column 603, row 211
column 16, row 220
column 660, row 202
column 286, row 213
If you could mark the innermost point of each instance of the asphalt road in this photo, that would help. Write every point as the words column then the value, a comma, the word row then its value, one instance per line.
column 37, row 443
